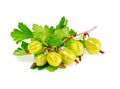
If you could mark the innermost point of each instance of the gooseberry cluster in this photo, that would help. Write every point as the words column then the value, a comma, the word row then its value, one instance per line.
column 54, row 47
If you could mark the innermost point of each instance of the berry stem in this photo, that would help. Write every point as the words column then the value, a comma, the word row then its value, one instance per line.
column 102, row 52
column 47, row 48
column 27, row 51
column 45, row 43
column 80, row 59
column 62, row 65
column 76, row 61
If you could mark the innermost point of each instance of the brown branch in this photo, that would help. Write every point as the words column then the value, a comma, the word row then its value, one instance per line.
column 85, row 32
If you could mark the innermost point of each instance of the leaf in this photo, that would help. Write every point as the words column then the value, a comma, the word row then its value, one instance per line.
column 46, row 66
column 52, row 68
column 23, row 50
column 43, row 67
column 19, row 52
column 22, row 33
column 54, row 41
column 68, row 43
column 62, row 33
column 72, row 32
column 33, row 66
column 83, row 42
column 40, row 33
column 24, row 45
column 51, row 31
column 62, row 23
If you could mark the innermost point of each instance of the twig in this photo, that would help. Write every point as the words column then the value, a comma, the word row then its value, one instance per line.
column 85, row 32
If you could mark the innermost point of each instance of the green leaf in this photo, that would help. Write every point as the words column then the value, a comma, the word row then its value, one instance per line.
column 19, row 52
column 46, row 66
column 54, row 41
column 52, row 68
column 33, row 66
column 72, row 32
column 40, row 33
column 43, row 67
column 62, row 23
column 22, row 33
column 83, row 42
column 62, row 33
column 24, row 45
column 51, row 31
column 68, row 42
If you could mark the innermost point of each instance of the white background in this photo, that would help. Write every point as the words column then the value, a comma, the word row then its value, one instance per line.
column 94, row 72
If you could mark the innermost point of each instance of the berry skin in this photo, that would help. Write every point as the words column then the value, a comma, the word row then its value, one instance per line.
column 68, row 56
column 77, row 48
column 93, row 45
column 40, row 60
column 34, row 47
column 54, row 58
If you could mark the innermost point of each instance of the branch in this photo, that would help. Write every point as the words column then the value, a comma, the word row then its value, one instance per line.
column 88, row 31
column 85, row 32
